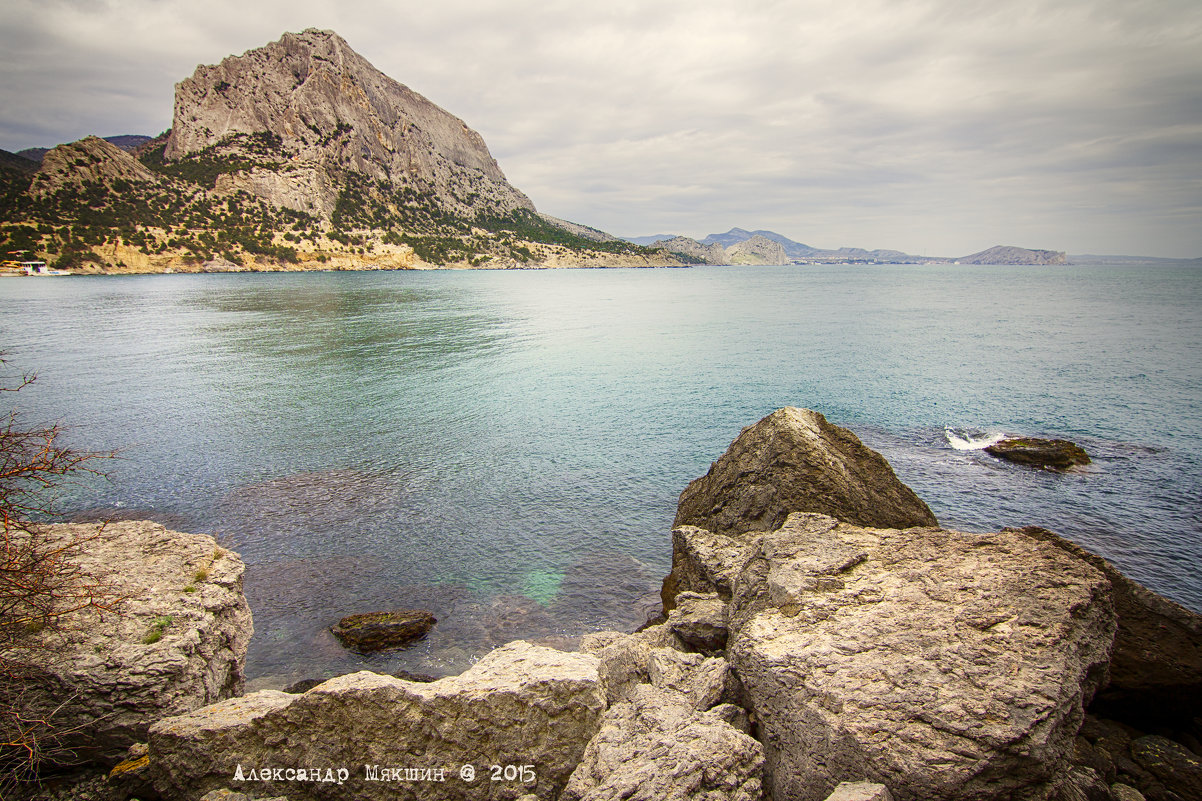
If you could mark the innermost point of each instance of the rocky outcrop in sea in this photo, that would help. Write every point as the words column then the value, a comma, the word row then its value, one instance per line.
column 802, row 655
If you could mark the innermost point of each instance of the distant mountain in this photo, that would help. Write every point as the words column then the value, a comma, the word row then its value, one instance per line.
column 757, row 249
column 15, row 161
column 648, row 240
column 1008, row 254
column 127, row 142
column 734, row 236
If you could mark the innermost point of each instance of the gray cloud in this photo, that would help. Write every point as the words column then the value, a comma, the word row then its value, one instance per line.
column 942, row 126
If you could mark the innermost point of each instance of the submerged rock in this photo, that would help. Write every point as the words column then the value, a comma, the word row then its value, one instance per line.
column 795, row 461
column 520, row 705
column 376, row 631
column 176, row 644
column 1054, row 454
column 942, row 664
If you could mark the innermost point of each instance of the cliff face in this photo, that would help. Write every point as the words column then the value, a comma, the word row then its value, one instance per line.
column 310, row 106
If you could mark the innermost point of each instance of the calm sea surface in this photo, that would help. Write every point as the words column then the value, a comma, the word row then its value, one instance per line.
column 506, row 448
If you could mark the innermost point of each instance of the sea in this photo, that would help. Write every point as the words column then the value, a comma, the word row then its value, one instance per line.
column 506, row 448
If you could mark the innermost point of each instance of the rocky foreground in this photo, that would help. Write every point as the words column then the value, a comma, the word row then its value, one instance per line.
column 831, row 644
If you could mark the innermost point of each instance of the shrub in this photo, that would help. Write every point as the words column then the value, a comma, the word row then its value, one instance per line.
column 41, row 586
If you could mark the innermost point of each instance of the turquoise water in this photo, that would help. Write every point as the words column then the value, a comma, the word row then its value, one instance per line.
column 506, row 448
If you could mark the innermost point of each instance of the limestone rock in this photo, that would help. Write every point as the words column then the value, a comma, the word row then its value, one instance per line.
column 860, row 791
column 795, row 461
column 706, row 681
column 520, row 705
column 623, row 659
column 178, row 642
column 699, row 620
column 702, row 562
column 1053, row 454
column 756, row 250
column 942, row 664
column 90, row 160
column 655, row 747
column 377, row 631
column 309, row 101
column 1156, row 666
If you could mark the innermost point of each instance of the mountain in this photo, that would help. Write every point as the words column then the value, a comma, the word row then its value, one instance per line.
column 694, row 251
column 1007, row 254
column 15, row 161
column 734, row 236
column 128, row 142
column 757, row 249
column 647, row 241
column 313, row 105
column 296, row 155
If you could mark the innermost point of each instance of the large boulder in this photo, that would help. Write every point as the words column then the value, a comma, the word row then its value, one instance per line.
column 1156, row 668
column 795, row 461
column 522, row 705
column 657, row 747
column 942, row 664
column 176, row 641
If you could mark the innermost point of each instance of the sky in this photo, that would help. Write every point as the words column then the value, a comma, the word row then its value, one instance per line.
column 939, row 127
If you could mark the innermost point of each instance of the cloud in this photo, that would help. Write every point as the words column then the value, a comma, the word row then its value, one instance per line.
column 935, row 125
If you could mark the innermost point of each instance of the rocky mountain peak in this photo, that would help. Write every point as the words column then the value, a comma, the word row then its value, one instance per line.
column 90, row 160
column 311, row 106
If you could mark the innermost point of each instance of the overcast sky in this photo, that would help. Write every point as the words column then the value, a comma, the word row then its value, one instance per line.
column 930, row 126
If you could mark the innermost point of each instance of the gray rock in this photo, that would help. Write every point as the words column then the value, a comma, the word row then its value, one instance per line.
column 520, row 705
column 942, row 664
column 795, row 461
column 177, row 644
column 860, row 791
column 1123, row 792
column 655, row 747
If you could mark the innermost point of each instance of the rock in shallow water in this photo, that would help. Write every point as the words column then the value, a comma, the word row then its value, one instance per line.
column 1054, row 454
column 376, row 631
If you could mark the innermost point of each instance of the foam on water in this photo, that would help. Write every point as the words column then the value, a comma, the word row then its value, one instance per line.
column 964, row 441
